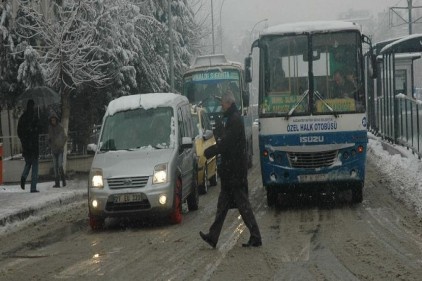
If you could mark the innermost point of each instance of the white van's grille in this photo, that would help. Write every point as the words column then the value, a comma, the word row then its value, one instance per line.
column 132, row 182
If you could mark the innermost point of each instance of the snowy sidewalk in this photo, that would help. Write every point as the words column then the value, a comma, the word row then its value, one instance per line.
column 17, row 204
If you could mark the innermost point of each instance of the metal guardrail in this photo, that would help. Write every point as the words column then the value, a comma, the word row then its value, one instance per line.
column 398, row 120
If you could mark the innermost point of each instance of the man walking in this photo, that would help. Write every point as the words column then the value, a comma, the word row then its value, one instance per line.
column 57, row 139
column 28, row 133
column 233, row 174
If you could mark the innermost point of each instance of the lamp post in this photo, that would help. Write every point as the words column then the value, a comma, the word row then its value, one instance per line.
column 212, row 26
column 221, row 28
column 251, row 39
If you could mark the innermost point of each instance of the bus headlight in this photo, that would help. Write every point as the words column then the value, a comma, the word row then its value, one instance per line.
column 96, row 178
column 160, row 174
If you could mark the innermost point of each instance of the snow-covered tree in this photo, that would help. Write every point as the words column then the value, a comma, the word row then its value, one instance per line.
column 10, row 58
column 116, row 47
column 129, row 37
column 68, row 47
column 186, row 34
column 30, row 72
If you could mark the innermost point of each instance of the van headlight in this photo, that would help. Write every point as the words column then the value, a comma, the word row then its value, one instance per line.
column 96, row 178
column 160, row 174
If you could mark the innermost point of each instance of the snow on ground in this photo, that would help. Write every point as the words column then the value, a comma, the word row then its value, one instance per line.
column 20, row 207
column 404, row 171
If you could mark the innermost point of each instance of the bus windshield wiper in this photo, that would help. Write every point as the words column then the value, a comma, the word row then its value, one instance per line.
column 318, row 95
column 304, row 95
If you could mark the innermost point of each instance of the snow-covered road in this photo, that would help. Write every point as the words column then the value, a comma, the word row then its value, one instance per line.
column 379, row 239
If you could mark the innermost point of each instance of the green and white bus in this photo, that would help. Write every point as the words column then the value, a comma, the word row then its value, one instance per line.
column 205, row 82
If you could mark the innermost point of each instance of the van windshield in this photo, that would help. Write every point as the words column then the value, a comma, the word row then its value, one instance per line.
column 139, row 129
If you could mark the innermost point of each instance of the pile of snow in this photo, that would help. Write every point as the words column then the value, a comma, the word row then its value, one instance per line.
column 404, row 173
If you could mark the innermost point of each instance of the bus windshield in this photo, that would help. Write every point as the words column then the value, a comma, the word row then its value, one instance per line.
column 329, row 73
column 206, row 87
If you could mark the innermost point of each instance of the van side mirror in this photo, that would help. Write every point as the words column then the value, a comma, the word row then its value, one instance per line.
column 186, row 143
column 208, row 134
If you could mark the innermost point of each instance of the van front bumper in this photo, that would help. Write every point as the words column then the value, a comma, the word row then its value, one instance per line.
column 147, row 201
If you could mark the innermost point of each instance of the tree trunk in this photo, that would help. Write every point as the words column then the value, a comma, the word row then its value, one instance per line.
column 65, row 95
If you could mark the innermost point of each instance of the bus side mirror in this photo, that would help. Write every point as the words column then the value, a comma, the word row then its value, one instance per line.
column 245, row 98
column 372, row 59
column 373, row 69
column 248, row 69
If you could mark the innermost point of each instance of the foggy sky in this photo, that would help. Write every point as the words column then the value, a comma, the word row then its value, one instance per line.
column 238, row 16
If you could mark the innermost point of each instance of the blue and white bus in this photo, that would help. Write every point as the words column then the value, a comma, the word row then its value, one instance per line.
column 312, row 112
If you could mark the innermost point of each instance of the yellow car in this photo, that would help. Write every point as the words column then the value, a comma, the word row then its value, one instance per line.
column 207, row 169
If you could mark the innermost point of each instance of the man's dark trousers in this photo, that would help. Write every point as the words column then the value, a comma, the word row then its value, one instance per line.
column 234, row 191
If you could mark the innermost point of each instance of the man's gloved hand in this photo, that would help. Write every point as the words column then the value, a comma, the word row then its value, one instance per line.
column 211, row 151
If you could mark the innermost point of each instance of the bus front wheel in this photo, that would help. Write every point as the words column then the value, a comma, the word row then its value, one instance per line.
column 357, row 193
column 271, row 197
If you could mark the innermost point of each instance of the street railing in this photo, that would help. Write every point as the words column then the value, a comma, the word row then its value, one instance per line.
column 12, row 147
column 398, row 120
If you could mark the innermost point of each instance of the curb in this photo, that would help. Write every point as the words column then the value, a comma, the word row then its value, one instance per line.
column 54, row 203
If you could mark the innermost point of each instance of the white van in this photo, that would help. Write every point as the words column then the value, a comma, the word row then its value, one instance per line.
column 145, row 162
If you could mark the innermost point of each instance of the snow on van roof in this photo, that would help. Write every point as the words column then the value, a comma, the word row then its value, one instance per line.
column 146, row 101
column 310, row 27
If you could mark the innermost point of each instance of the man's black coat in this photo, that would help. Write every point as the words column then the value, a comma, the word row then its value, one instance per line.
column 232, row 147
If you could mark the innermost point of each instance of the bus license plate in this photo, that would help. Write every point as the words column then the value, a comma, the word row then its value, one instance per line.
column 312, row 178
column 127, row 198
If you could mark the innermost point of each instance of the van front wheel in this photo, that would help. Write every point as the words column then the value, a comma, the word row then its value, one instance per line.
column 96, row 223
column 176, row 213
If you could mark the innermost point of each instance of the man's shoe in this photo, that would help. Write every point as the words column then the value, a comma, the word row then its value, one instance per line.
column 34, row 191
column 56, row 186
column 207, row 239
column 252, row 244
column 23, row 183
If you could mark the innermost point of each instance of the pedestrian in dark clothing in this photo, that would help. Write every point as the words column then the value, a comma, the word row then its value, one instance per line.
column 233, row 174
column 57, row 139
column 28, row 133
